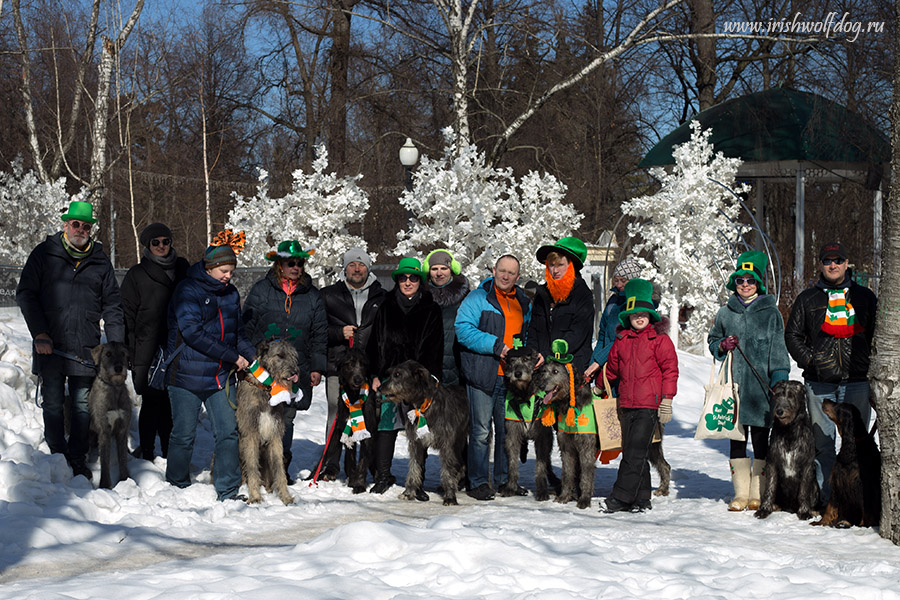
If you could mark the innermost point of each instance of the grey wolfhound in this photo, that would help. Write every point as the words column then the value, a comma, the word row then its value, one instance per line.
column 438, row 417
column 791, row 483
column 523, row 423
column 110, row 406
column 261, row 425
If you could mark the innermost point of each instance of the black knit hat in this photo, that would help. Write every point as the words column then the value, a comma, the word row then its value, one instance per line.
column 153, row 231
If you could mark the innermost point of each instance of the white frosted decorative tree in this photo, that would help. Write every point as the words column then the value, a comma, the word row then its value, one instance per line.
column 316, row 212
column 29, row 211
column 682, row 229
column 480, row 213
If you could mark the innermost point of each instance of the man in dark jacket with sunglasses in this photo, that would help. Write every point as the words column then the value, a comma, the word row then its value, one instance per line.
column 829, row 334
column 67, row 286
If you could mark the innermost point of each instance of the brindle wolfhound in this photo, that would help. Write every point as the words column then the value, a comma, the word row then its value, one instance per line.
column 110, row 406
column 261, row 426
column 446, row 417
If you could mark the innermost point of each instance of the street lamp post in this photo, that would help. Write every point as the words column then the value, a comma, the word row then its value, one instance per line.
column 409, row 156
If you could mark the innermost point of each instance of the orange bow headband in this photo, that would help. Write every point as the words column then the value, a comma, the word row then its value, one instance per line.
column 235, row 241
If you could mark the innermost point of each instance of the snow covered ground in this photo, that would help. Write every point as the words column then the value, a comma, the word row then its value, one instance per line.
column 61, row 538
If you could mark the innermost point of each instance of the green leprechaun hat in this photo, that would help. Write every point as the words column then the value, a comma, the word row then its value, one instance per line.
column 752, row 263
column 572, row 247
column 409, row 266
column 638, row 298
column 290, row 249
column 559, row 352
column 80, row 211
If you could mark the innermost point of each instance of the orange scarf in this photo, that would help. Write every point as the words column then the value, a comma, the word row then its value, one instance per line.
column 560, row 289
column 288, row 286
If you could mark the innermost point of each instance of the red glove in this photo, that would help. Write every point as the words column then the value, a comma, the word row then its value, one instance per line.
column 728, row 344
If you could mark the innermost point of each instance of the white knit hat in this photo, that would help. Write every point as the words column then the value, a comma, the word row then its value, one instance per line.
column 628, row 268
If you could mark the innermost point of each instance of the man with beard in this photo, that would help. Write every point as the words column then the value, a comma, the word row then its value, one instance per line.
column 350, row 306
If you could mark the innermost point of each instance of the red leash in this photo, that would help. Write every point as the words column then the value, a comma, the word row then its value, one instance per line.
column 315, row 477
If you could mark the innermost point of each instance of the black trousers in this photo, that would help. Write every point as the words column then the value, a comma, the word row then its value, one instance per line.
column 155, row 419
column 633, row 480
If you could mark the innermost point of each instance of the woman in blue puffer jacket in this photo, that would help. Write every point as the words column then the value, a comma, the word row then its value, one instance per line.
column 205, row 322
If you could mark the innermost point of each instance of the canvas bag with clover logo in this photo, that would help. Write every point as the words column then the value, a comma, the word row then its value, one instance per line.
column 719, row 419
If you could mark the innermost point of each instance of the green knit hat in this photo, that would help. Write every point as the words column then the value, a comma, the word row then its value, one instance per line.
column 559, row 352
column 409, row 266
column 752, row 263
column 638, row 299
column 572, row 247
column 80, row 211
column 290, row 249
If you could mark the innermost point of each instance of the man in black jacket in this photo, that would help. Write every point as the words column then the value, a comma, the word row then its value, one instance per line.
column 67, row 285
column 829, row 333
column 350, row 305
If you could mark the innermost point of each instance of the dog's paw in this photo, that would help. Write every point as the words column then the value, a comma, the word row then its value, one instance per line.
column 584, row 503
column 661, row 492
column 564, row 498
column 542, row 496
column 804, row 515
column 762, row 513
column 359, row 489
column 254, row 499
column 450, row 502
column 287, row 500
column 408, row 495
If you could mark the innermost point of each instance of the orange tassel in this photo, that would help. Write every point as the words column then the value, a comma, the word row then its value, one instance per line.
column 570, row 414
column 548, row 418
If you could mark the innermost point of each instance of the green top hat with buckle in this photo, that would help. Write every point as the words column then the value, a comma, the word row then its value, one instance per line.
column 572, row 247
column 408, row 266
column 80, row 211
column 752, row 263
column 559, row 352
column 290, row 249
column 638, row 299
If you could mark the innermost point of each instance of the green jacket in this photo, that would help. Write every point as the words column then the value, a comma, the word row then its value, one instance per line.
column 759, row 328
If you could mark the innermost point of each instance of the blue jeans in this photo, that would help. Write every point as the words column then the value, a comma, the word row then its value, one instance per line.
column 855, row 393
column 54, row 399
column 483, row 409
column 185, row 409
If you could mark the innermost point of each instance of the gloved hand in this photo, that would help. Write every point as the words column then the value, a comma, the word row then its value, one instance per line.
column 665, row 410
column 729, row 343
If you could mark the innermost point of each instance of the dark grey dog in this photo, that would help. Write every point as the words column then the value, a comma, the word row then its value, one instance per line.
column 261, row 426
column 110, row 406
column 578, row 451
column 791, row 483
column 446, row 412
column 520, row 363
column 353, row 375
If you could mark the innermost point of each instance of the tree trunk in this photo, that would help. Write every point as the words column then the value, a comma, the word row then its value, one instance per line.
column 884, row 373
column 703, row 21
column 339, row 68
column 27, row 100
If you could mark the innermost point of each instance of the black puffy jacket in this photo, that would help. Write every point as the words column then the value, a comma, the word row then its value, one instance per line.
column 398, row 336
column 146, row 291
column 571, row 320
column 340, row 310
column 823, row 357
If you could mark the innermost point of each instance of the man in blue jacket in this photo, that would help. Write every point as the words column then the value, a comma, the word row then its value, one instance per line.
column 486, row 322
column 67, row 285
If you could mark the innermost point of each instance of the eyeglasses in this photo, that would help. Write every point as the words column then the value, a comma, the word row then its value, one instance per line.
column 837, row 260
column 411, row 277
column 84, row 226
column 162, row 242
column 744, row 281
column 293, row 263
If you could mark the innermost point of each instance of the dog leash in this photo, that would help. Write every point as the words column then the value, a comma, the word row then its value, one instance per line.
column 79, row 360
column 764, row 383
column 315, row 476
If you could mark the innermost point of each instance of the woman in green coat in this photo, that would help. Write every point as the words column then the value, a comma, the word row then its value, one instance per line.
column 751, row 318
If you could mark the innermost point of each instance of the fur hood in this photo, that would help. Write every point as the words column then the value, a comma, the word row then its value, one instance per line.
column 452, row 293
column 661, row 327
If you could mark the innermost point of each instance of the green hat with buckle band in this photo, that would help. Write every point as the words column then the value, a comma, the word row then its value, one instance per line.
column 572, row 247
column 408, row 266
column 559, row 352
column 638, row 299
column 80, row 211
column 752, row 263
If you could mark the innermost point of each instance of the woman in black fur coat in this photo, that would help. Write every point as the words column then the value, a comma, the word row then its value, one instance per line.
column 146, row 291
column 408, row 326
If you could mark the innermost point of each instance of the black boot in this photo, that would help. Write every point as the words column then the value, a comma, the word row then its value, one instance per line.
column 384, row 456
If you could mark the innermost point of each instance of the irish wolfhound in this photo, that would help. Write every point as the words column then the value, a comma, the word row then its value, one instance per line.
column 439, row 419
column 110, row 406
column 347, row 432
column 791, row 483
column 856, row 477
column 261, row 425
column 523, row 423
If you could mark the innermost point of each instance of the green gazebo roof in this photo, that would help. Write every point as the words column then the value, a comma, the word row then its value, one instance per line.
column 781, row 125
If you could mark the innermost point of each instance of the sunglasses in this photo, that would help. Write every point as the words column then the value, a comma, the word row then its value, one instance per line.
column 411, row 277
column 84, row 226
column 293, row 263
column 162, row 242
column 838, row 261
column 744, row 281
